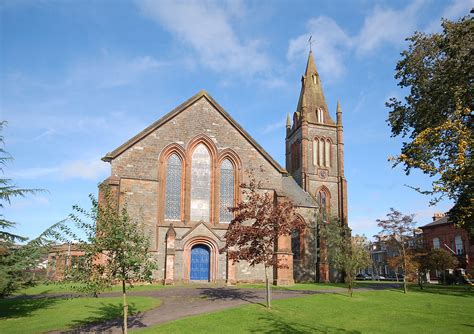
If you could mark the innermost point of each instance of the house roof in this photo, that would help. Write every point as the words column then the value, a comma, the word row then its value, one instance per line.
column 440, row 221
column 176, row 111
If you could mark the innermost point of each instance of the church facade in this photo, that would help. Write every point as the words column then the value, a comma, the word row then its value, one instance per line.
column 179, row 175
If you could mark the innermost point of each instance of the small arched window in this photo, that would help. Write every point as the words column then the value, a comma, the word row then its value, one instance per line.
column 320, row 115
column 226, row 196
column 296, row 244
column 200, row 184
column 323, row 201
column 327, row 153
column 173, row 188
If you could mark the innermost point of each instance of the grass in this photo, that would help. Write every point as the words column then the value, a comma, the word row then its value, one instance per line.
column 67, row 288
column 297, row 286
column 435, row 310
column 46, row 314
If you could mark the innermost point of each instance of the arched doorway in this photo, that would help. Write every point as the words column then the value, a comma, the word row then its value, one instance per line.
column 200, row 263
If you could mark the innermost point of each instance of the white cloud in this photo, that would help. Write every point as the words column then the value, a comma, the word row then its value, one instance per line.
column 383, row 25
column 274, row 126
column 109, row 72
column 330, row 43
column 93, row 169
column 455, row 10
column 206, row 26
column 387, row 25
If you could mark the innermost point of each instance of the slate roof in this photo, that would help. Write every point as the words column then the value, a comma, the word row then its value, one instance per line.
column 440, row 221
column 294, row 192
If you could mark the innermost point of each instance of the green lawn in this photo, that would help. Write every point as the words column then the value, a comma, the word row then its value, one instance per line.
column 69, row 288
column 435, row 310
column 46, row 314
column 297, row 286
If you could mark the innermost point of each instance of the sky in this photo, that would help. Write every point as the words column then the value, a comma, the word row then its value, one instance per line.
column 79, row 78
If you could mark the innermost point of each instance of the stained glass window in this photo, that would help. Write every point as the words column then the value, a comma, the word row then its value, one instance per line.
column 226, row 196
column 200, row 184
column 173, row 188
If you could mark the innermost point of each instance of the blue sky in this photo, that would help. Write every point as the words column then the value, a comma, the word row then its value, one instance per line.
column 78, row 78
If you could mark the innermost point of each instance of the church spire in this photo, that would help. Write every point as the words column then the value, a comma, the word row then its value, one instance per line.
column 312, row 103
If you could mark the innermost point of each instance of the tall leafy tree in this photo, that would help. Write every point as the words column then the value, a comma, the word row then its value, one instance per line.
column 347, row 254
column 436, row 117
column 16, row 260
column 397, row 230
column 259, row 221
column 115, row 247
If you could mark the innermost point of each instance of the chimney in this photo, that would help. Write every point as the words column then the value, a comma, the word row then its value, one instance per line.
column 438, row 215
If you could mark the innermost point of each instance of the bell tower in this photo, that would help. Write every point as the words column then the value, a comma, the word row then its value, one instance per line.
column 315, row 154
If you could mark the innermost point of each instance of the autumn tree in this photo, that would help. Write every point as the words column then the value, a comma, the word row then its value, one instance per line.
column 436, row 116
column 115, row 246
column 347, row 254
column 397, row 230
column 259, row 221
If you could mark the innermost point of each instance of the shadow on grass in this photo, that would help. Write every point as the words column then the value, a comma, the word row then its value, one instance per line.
column 270, row 324
column 447, row 290
column 17, row 308
column 106, row 317
column 230, row 294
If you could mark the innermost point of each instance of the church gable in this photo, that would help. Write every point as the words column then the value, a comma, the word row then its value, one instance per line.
column 200, row 114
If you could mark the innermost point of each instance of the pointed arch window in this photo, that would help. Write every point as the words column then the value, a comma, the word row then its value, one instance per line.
column 200, row 184
column 320, row 115
column 173, row 188
column 327, row 153
column 322, row 199
column 296, row 244
column 226, row 195
column 322, row 152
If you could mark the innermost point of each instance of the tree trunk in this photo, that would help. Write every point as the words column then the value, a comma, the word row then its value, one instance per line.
column 267, row 289
column 405, row 290
column 125, row 309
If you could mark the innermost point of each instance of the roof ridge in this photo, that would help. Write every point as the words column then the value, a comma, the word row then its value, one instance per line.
column 174, row 112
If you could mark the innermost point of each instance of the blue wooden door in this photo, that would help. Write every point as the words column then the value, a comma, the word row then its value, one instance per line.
column 200, row 263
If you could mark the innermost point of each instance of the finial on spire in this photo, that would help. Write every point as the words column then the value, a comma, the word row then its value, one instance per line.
column 310, row 41
column 288, row 121
column 339, row 113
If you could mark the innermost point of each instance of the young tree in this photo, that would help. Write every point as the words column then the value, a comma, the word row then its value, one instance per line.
column 347, row 254
column 16, row 261
column 398, row 230
column 115, row 247
column 440, row 260
column 259, row 221
column 436, row 116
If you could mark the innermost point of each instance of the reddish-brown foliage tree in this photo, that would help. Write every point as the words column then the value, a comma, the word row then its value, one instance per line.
column 259, row 220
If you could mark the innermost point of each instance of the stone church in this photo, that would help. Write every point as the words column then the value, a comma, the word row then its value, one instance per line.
column 179, row 176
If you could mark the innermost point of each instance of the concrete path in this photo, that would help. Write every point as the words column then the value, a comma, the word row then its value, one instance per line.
column 186, row 301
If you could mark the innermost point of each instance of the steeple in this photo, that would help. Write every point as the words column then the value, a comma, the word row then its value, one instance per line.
column 312, row 104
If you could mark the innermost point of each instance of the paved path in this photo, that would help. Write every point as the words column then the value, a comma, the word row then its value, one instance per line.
column 184, row 301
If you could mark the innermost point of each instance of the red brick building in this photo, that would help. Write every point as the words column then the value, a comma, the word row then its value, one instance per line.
column 441, row 233
column 179, row 175
column 60, row 259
